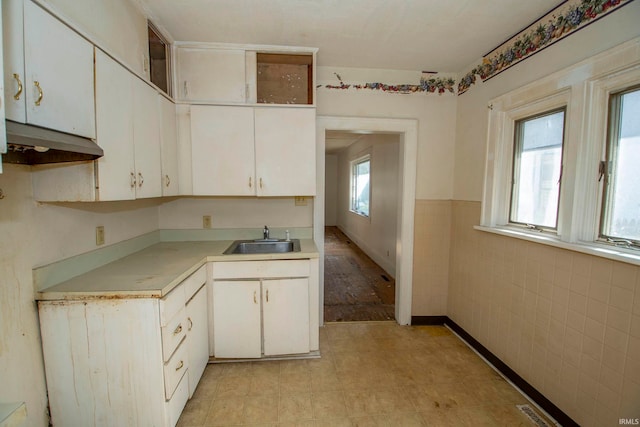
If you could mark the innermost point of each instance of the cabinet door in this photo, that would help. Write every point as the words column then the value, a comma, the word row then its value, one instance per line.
column 13, row 64
column 285, row 316
column 146, row 140
column 236, row 319
column 211, row 75
column 197, row 337
column 285, row 151
column 114, row 121
column 222, row 151
column 59, row 74
column 169, row 142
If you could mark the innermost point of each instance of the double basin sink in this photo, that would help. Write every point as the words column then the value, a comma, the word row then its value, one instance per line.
column 263, row 246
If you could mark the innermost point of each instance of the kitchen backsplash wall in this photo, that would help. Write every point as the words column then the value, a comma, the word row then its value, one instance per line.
column 236, row 212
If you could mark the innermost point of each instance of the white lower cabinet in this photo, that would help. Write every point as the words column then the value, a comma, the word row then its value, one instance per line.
column 264, row 313
column 125, row 362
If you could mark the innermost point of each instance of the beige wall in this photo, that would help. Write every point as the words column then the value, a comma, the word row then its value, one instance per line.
column 432, row 224
column 330, row 189
column 567, row 322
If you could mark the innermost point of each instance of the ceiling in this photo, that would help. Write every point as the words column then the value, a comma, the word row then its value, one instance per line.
column 417, row 35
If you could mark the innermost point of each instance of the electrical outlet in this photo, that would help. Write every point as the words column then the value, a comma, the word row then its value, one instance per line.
column 206, row 221
column 99, row 235
column 301, row 201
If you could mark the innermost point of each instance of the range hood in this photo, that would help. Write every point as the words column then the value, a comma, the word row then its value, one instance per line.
column 32, row 145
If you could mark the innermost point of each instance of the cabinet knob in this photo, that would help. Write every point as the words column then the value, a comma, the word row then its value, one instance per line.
column 177, row 330
column 167, row 180
column 190, row 323
column 250, row 183
column 133, row 180
column 255, row 297
column 267, row 295
column 140, row 180
column 19, row 92
column 180, row 365
column 40, row 93
column 261, row 183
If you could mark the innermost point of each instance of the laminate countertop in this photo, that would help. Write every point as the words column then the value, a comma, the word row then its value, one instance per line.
column 154, row 271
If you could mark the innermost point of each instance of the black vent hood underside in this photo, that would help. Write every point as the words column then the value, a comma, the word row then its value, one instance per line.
column 32, row 145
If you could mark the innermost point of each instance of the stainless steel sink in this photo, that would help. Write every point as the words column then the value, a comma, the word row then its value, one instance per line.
column 263, row 246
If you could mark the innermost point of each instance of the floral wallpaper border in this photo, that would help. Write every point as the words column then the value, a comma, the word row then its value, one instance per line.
column 568, row 17
column 428, row 85
column 565, row 19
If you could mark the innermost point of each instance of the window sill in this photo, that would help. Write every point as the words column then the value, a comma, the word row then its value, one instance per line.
column 591, row 248
column 361, row 215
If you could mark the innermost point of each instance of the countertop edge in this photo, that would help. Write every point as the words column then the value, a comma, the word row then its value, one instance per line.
column 308, row 251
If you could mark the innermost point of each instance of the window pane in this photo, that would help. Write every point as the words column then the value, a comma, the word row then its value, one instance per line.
column 360, row 187
column 536, row 171
column 622, row 186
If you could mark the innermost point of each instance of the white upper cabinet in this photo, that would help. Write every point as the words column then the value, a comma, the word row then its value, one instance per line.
column 146, row 140
column 222, row 151
column 58, row 75
column 169, row 143
column 114, row 108
column 245, row 151
column 211, row 75
column 285, row 151
column 13, row 46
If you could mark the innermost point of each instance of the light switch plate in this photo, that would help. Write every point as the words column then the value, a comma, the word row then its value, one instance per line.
column 206, row 221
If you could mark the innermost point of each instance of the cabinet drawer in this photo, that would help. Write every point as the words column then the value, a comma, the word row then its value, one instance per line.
column 173, row 333
column 261, row 269
column 194, row 282
column 179, row 399
column 171, row 304
column 174, row 370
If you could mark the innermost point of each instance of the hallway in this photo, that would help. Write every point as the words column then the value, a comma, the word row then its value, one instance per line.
column 355, row 287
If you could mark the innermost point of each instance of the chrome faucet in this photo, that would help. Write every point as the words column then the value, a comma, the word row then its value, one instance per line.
column 265, row 232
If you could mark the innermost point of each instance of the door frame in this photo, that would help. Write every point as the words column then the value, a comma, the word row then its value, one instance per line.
column 407, row 129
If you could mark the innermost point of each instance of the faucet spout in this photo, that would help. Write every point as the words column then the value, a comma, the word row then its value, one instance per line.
column 265, row 232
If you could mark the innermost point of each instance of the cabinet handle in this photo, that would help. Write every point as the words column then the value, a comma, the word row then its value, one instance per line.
column 255, row 297
column 261, row 183
column 177, row 330
column 19, row 92
column 180, row 365
column 168, row 180
column 40, row 93
column 133, row 180
column 141, row 180
column 267, row 295
column 250, row 183
column 190, row 323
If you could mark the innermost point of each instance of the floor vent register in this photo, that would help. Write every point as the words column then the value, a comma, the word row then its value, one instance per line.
column 532, row 415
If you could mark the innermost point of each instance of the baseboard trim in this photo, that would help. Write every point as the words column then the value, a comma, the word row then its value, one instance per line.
column 562, row 418
column 428, row 320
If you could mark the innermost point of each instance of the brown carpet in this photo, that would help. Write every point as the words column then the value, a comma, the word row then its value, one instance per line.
column 355, row 287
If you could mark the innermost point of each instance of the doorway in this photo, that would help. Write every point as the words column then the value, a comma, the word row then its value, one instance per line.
column 407, row 130
column 361, row 208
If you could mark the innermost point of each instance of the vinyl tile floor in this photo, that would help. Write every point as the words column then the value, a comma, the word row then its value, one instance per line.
column 370, row 374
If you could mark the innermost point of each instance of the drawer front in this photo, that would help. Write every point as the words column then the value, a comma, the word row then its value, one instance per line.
column 261, row 269
column 173, row 333
column 171, row 304
column 194, row 282
column 174, row 370
column 179, row 399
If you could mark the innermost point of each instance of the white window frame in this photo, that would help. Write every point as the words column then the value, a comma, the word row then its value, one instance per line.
column 353, row 163
column 584, row 89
